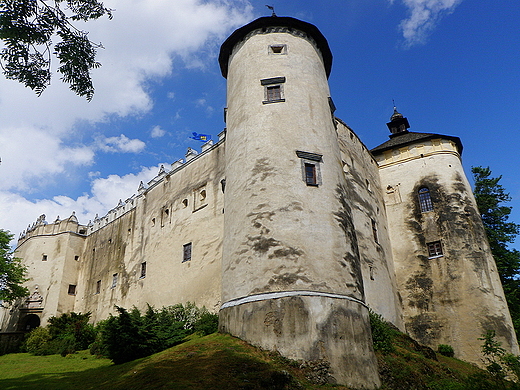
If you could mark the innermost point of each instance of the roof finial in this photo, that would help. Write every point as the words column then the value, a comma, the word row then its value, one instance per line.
column 272, row 9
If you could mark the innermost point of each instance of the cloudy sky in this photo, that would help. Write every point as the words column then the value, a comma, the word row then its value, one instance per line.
column 450, row 65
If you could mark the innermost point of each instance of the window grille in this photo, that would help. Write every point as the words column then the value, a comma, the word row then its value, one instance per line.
column 434, row 249
column 425, row 200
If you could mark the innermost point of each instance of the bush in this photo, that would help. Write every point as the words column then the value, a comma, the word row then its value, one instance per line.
column 206, row 324
column 446, row 350
column 36, row 340
column 382, row 333
column 131, row 336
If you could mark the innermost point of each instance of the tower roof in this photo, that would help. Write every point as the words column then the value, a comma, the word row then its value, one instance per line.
column 275, row 21
column 409, row 137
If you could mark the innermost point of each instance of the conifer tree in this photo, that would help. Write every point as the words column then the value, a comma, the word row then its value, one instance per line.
column 490, row 197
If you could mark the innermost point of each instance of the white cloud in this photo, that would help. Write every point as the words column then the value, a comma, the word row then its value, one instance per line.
column 40, row 140
column 105, row 195
column 157, row 132
column 121, row 144
column 424, row 16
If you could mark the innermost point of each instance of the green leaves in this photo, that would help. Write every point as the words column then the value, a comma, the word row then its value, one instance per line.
column 490, row 196
column 12, row 272
column 27, row 28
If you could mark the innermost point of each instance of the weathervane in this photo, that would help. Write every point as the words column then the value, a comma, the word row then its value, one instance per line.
column 271, row 8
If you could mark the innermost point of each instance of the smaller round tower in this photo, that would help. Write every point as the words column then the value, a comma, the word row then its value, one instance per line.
column 445, row 271
column 291, row 274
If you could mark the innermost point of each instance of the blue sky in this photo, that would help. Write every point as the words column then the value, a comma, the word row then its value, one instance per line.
column 450, row 65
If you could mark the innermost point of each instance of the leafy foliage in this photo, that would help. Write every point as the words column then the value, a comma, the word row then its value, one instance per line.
column 12, row 272
column 382, row 333
column 490, row 197
column 64, row 335
column 446, row 350
column 27, row 28
column 131, row 335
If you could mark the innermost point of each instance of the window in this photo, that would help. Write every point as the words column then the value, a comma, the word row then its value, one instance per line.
column 82, row 231
column 114, row 280
column 72, row 289
column 273, row 89
column 76, row 257
column 143, row 270
column 185, row 203
column 274, row 93
column 44, row 257
column 425, row 201
column 199, row 198
column 186, row 253
column 374, row 231
column 98, row 286
column 310, row 174
column 310, row 167
column 434, row 249
column 278, row 49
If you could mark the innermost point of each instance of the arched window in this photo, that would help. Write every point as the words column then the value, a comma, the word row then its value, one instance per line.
column 425, row 201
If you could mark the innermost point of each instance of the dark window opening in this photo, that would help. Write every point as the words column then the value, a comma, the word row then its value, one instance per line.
column 44, row 257
column 82, row 232
column 274, row 92
column 186, row 253
column 434, row 249
column 310, row 175
column 76, row 258
column 425, row 200
column 143, row 270
column 278, row 49
column 72, row 289
column 374, row 231
column 98, row 286
column 114, row 280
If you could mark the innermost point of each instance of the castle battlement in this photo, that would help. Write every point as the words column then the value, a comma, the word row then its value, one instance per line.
column 42, row 228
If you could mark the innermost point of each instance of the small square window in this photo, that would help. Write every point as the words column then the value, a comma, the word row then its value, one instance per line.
column 72, row 289
column 186, row 253
column 98, row 286
column 273, row 89
column 274, row 93
column 44, row 257
column 76, row 258
column 278, row 49
column 114, row 280
column 143, row 270
column 434, row 249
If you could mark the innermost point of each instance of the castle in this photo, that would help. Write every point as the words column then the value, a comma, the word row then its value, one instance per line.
column 291, row 236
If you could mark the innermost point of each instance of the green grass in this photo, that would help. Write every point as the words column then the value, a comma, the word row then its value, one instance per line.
column 223, row 362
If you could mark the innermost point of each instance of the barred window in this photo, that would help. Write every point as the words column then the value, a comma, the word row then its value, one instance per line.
column 425, row 200
column 114, row 280
column 186, row 253
column 310, row 174
column 434, row 249
column 274, row 93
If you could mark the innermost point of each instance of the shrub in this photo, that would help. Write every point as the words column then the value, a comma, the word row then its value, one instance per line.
column 36, row 340
column 131, row 336
column 206, row 324
column 382, row 333
column 446, row 350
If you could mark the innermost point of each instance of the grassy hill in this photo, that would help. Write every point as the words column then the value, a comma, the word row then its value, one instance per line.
column 223, row 362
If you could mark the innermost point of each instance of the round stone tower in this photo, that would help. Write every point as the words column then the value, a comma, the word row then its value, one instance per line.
column 446, row 275
column 291, row 277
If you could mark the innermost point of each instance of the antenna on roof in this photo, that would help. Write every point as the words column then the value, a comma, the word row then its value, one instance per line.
column 272, row 9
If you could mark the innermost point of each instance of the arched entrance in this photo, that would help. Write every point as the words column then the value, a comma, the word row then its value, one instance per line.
column 29, row 322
